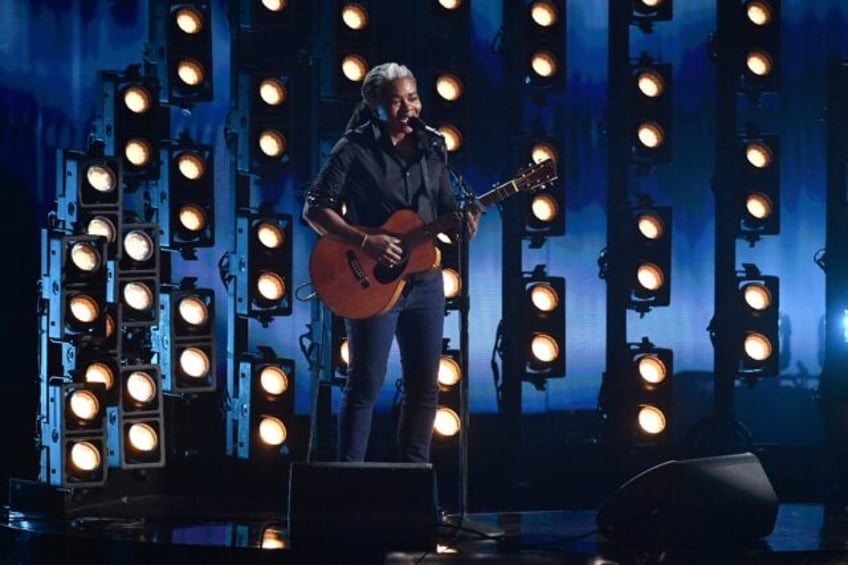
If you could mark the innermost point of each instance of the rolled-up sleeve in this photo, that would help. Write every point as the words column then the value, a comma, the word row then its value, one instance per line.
column 326, row 190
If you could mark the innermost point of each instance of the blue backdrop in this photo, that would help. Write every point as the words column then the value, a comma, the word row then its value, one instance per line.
column 50, row 52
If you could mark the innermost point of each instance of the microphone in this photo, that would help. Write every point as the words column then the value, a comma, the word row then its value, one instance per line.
column 418, row 124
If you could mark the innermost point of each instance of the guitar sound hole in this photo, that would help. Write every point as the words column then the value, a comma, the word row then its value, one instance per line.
column 386, row 274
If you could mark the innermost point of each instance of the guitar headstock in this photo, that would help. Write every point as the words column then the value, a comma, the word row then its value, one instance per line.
column 536, row 176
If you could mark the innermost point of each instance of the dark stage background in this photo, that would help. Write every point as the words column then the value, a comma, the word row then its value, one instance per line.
column 50, row 52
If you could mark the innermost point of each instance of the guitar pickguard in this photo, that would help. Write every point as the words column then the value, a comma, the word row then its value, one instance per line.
column 388, row 275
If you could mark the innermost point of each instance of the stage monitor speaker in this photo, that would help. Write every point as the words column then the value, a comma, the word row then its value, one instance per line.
column 376, row 506
column 718, row 499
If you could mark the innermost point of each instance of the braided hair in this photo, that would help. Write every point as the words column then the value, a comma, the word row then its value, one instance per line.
column 375, row 80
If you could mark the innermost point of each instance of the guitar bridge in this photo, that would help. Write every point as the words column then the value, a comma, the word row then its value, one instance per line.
column 356, row 269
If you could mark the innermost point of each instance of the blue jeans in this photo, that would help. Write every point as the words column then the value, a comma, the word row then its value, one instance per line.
column 417, row 321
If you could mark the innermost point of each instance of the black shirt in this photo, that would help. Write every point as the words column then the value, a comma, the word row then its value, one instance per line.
column 366, row 173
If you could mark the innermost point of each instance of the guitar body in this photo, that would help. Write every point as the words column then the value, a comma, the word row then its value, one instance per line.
column 353, row 285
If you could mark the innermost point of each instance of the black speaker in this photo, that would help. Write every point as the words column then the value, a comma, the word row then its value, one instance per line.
column 708, row 500
column 376, row 506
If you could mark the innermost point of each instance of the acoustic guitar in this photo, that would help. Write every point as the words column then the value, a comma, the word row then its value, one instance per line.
column 353, row 285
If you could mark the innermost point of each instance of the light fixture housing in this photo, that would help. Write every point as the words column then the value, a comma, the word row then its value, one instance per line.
column 648, row 256
column 262, row 414
column 542, row 331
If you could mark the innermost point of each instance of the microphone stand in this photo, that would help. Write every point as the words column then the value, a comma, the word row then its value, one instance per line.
column 464, row 527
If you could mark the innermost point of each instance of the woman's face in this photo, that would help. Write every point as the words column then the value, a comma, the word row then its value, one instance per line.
column 398, row 102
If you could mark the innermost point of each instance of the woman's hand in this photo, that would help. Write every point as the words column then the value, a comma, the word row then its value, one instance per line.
column 384, row 248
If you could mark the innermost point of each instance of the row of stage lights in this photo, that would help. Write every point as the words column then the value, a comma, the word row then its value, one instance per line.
column 636, row 393
column 541, row 53
column 649, row 251
column 117, row 335
column 756, row 181
column 756, row 213
column 266, row 88
column 102, row 389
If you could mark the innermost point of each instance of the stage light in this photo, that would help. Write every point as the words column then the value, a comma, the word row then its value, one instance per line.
column 637, row 400
column 132, row 122
column 650, row 112
column 84, row 463
column 75, row 289
column 354, row 46
column 185, row 338
column 447, row 423
column 90, row 193
column 544, row 13
column 649, row 256
column 75, row 427
column 264, row 410
column 354, row 68
column 651, row 419
column 140, row 388
column 101, row 373
column 100, row 181
column 138, row 275
column 96, row 360
column 275, row 5
column 85, row 457
column 142, row 437
column 543, row 326
column 137, row 296
column 758, row 208
column 759, row 13
column 543, row 208
column 273, row 539
column 187, row 220
column 451, row 282
column 140, row 422
column 264, row 282
column 103, row 226
column 645, row 12
column 759, row 50
column 452, row 136
column 451, row 272
column 449, row 371
column 542, row 151
column 138, row 245
column 84, row 407
column 443, row 79
column 449, row 87
column 340, row 345
column 185, row 52
column 264, row 115
column 142, row 445
column 270, row 123
column 757, row 329
column 354, row 16
column 451, row 4
column 272, row 432
column 448, row 108
column 544, row 43
column 273, row 380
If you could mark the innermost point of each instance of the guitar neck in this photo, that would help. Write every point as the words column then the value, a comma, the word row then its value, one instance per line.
column 499, row 193
column 528, row 179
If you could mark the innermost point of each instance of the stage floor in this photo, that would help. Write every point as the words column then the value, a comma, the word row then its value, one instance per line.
column 803, row 533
